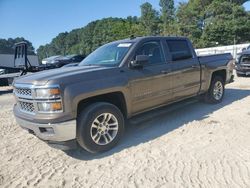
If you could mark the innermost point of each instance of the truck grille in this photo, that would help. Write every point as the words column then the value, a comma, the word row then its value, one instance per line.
column 26, row 100
column 245, row 60
column 244, row 66
column 23, row 92
column 27, row 106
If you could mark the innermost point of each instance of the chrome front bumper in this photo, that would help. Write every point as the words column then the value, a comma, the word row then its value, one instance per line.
column 59, row 132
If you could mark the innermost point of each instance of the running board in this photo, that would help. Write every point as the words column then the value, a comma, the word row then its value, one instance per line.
column 149, row 115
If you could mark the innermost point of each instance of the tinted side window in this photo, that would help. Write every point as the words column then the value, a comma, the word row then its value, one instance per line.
column 179, row 49
column 153, row 50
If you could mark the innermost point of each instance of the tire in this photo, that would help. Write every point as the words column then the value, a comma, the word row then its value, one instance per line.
column 239, row 75
column 4, row 82
column 212, row 96
column 100, row 126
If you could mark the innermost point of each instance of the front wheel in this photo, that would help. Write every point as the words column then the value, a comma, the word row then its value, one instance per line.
column 99, row 127
column 216, row 90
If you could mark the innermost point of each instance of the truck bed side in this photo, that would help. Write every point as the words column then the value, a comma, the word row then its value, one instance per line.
column 214, row 63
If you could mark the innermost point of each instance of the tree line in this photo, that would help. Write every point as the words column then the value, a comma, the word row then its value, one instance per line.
column 206, row 22
column 7, row 45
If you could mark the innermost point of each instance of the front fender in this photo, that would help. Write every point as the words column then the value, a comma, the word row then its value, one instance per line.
column 84, row 90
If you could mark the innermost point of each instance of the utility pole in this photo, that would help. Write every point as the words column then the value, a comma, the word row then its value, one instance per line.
column 234, row 30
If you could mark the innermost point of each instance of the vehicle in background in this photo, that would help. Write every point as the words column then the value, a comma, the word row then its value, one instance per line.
column 74, row 58
column 87, row 105
column 59, row 61
column 247, row 48
column 50, row 59
column 2, row 71
column 7, row 75
column 71, row 65
column 3, row 81
column 15, row 65
column 242, row 65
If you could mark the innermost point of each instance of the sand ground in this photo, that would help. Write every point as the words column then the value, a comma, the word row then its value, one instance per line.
column 198, row 145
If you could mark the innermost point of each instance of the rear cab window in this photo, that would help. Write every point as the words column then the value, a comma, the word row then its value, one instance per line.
column 179, row 49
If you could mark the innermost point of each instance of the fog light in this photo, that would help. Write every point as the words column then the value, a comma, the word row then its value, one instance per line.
column 56, row 106
column 47, row 130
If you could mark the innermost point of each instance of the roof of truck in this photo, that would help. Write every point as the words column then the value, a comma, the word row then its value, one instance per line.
column 137, row 39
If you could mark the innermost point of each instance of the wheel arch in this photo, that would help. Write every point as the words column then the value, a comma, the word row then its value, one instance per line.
column 222, row 73
column 116, row 98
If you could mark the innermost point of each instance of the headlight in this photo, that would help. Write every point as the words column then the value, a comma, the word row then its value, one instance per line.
column 49, row 106
column 48, row 93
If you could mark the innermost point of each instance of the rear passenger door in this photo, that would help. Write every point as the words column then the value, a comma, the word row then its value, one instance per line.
column 185, row 68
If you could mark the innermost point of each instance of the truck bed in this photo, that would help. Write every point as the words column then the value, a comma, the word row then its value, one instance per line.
column 215, row 58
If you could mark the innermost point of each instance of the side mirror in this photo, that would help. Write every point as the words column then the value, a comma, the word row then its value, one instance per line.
column 139, row 61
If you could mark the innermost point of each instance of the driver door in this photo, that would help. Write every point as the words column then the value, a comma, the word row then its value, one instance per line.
column 151, row 85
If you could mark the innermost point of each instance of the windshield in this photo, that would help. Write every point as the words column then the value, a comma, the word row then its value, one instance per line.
column 107, row 55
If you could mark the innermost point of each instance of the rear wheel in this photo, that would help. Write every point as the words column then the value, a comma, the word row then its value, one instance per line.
column 216, row 90
column 99, row 127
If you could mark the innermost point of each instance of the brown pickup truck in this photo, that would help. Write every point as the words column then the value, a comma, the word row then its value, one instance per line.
column 86, row 105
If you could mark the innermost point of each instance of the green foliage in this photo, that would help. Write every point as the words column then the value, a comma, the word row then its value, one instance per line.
column 149, row 19
column 7, row 46
column 167, row 10
column 225, row 24
column 205, row 22
column 90, row 37
column 190, row 17
column 213, row 22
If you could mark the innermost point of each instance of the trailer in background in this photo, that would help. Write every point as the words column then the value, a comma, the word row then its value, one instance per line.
column 18, row 64
column 7, row 60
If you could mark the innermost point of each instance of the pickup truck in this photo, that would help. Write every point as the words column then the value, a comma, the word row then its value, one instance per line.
column 86, row 105
column 242, row 65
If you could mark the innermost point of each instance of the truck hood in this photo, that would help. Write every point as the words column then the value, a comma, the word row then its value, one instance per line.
column 245, row 52
column 60, row 75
